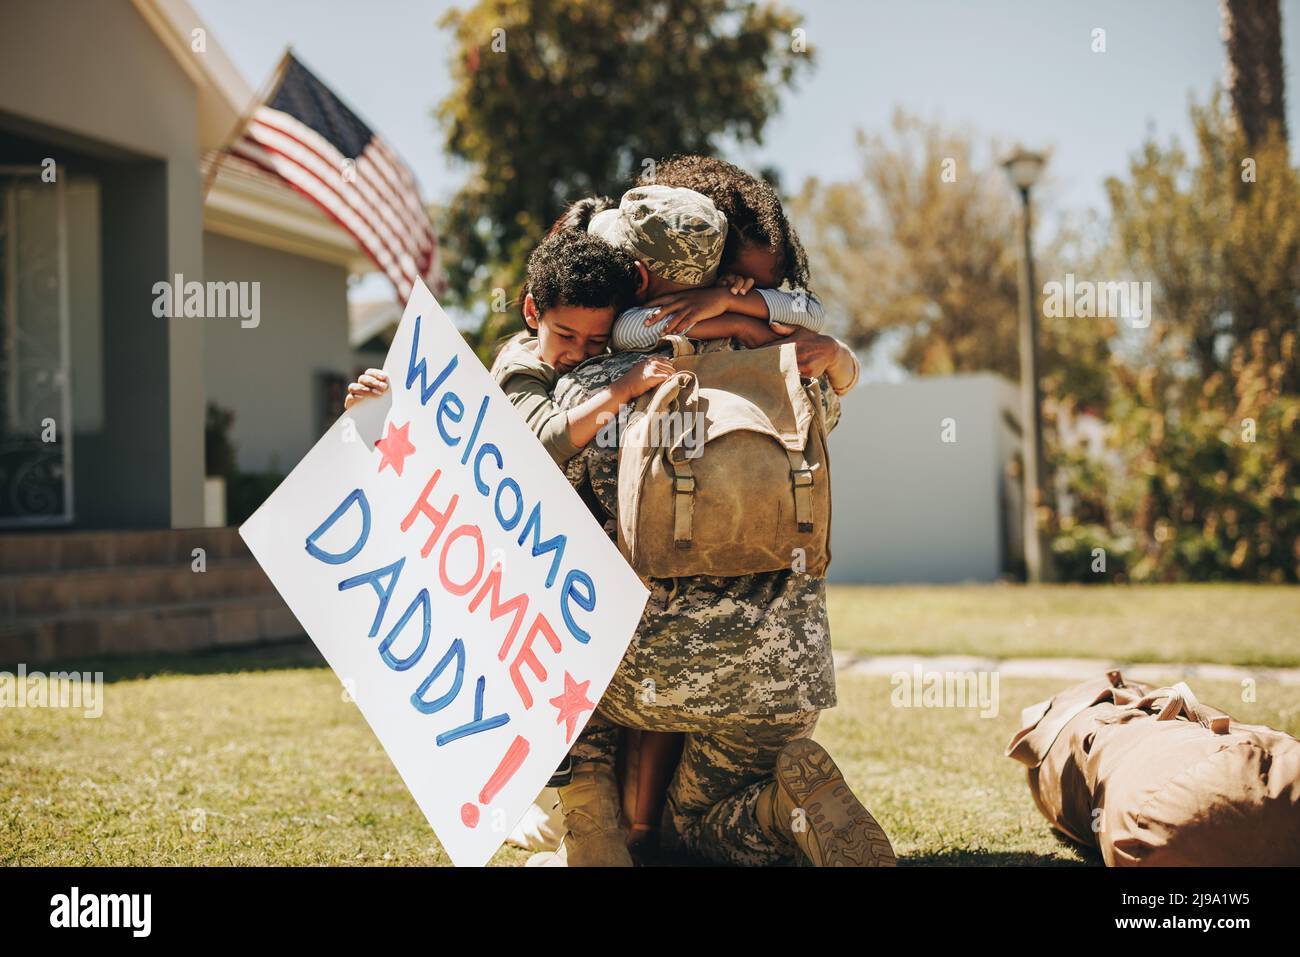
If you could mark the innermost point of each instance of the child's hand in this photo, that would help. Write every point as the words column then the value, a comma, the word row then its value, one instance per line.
column 371, row 382
column 688, row 307
column 643, row 377
column 781, row 329
column 737, row 284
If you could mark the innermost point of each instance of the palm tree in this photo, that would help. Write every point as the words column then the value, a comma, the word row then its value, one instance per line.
column 1252, row 31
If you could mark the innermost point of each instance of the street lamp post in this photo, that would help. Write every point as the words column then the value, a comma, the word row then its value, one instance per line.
column 1023, row 169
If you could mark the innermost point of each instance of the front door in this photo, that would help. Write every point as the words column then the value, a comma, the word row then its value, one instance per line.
column 35, row 397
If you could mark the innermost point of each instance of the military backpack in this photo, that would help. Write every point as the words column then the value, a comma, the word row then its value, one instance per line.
column 723, row 468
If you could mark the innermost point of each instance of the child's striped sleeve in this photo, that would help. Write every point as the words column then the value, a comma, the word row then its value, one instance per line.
column 631, row 334
column 799, row 308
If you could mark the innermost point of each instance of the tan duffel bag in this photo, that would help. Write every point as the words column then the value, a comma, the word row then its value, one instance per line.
column 723, row 468
column 1152, row 777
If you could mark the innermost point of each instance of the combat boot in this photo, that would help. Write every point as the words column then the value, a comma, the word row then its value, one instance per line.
column 594, row 835
column 809, row 802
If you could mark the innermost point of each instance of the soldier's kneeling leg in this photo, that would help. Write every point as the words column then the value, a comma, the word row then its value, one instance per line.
column 713, row 801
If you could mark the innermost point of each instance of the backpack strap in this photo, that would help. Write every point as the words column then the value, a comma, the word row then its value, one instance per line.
column 801, row 478
column 1179, row 701
column 680, row 345
column 685, row 397
column 683, row 503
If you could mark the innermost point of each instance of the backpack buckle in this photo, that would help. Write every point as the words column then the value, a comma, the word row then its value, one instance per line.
column 684, row 484
column 801, row 478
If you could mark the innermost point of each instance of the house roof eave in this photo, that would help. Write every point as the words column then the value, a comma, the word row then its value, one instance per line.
column 248, row 206
column 224, row 96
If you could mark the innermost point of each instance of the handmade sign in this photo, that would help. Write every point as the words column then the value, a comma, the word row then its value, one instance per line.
column 454, row 581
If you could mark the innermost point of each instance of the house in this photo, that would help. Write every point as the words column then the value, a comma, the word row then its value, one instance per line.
column 110, row 114
column 104, row 196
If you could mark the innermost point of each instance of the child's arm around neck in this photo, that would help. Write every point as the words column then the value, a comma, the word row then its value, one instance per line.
column 692, row 311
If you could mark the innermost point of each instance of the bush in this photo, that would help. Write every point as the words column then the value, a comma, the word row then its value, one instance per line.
column 246, row 491
column 218, row 450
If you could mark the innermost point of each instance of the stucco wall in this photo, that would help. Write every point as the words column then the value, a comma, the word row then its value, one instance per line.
column 267, row 375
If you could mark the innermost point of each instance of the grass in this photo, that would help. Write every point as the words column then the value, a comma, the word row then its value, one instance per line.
column 1226, row 624
column 937, row 781
column 243, row 760
column 238, row 766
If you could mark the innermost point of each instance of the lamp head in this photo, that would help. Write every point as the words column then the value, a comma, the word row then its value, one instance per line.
column 1024, row 167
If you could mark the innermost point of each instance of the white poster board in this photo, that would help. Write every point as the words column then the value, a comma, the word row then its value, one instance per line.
column 454, row 581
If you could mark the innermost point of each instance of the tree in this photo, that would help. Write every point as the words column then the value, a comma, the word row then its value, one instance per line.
column 1219, row 239
column 921, row 246
column 924, row 247
column 1204, row 406
column 553, row 100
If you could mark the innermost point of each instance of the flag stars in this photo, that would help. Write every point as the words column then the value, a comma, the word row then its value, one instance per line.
column 395, row 446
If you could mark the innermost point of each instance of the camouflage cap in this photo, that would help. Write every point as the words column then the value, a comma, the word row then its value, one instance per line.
column 678, row 233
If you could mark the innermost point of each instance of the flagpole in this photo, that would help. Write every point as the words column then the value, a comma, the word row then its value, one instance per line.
column 262, row 96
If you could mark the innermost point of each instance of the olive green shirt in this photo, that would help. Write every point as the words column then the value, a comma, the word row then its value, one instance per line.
column 528, row 383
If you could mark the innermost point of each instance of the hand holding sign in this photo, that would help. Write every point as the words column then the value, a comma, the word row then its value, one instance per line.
column 444, row 566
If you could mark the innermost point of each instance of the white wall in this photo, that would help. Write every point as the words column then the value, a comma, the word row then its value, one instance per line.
column 267, row 374
column 909, row 507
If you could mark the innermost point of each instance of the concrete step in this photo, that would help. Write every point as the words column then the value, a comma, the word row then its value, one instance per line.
column 31, row 552
column 170, row 627
column 98, row 589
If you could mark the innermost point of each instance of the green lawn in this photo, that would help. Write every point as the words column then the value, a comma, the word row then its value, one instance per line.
column 259, row 760
column 1229, row 624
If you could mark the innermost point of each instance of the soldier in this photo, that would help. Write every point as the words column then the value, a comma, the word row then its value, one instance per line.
column 743, row 666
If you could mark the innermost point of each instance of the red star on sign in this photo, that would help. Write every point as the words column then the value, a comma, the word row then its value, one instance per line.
column 396, row 447
column 571, row 704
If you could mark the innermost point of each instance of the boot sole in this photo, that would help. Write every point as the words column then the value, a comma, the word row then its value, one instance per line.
column 841, row 831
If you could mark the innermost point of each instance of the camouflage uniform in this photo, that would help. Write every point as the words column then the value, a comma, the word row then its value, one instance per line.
column 742, row 665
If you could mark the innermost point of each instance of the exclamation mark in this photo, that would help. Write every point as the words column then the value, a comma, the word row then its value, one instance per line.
column 515, row 755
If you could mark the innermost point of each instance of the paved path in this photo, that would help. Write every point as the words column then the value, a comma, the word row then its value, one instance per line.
column 1066, row 669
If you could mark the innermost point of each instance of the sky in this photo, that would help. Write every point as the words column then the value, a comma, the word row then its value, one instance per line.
column 1018, row 71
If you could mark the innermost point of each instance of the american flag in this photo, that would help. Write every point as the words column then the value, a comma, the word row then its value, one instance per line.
column 306, row 136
